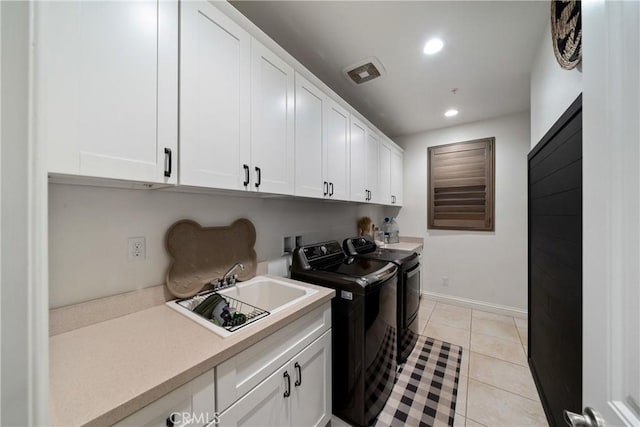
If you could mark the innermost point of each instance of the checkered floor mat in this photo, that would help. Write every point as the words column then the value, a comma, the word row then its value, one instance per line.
column 425, row 391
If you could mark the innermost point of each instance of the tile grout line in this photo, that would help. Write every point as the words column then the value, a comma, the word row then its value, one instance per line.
column 502, row 389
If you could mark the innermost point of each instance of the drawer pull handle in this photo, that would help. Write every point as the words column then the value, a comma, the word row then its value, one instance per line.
column 299, row 380
column 287, row 392
column 330, row 189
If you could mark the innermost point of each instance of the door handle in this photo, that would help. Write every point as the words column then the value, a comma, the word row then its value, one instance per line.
column 287, row 392
column 393, row 199
column 299, row 369
column 259, row 172
column 326, row 188
column 330, row 189
column 589, row 418
column 246, row 175
column 167, row 162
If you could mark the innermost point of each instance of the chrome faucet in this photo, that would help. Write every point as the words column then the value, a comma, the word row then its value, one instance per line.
column 229, row 279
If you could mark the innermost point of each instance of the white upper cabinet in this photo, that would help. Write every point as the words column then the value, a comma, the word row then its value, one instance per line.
column 272, row 122
column 215, row 56
column 336, row 151
column 397, row 178
column 371, row 167
column 384, row 173
column 390, row 173
column 107, row 88
column 309, row 139
column 358, row 161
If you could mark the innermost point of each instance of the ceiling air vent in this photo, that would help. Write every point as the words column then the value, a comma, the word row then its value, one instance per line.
column 364, row 71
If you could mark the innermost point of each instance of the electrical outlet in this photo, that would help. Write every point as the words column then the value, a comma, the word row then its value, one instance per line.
column 137, row 249
column 298, row 240
column 445, row 281
column 287, row 245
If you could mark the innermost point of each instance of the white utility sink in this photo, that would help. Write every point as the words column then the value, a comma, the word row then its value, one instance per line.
column 268, row 294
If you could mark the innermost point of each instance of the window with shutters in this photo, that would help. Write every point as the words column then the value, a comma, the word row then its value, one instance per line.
column 461, row 186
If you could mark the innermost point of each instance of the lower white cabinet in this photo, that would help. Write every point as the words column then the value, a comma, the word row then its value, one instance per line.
column 189, row 405
column 282, row 380
column 297, row 394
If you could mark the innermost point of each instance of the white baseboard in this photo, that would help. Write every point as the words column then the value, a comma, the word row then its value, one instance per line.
column 478, row 305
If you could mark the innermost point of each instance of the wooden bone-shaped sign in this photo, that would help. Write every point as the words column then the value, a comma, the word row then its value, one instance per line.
column 202, row 254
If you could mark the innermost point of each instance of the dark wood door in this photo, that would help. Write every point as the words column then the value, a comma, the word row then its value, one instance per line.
column 555, row 265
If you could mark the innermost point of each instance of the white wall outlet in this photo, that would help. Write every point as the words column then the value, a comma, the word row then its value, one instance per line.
column 445, row 280
column 137, row 249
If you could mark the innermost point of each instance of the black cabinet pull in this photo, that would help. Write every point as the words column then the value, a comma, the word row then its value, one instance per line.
column 246, row 175
column 368, row 195
column 287, row 392
column 299, row 380
column 326, row 188
column 259, row 172
column 393, row 199
column 330, row 189
column 167, row 162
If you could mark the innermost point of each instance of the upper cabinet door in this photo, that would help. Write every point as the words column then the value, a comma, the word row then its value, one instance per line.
column 371, row 166
column 215, row 55
column 358, row 159
column 309, row 139
column 107, row 88
column 397, row 178
column 337, row 151
column 272, row 121
column 384, row 177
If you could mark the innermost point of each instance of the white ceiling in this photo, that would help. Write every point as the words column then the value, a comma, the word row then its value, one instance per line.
column 488, row 54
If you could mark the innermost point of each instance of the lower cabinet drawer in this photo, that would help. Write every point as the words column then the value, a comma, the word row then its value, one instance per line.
column 192, row 404
column 240, row 374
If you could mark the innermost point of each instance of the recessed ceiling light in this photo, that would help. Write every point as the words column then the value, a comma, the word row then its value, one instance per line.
column 433, row 46
column 451, row 113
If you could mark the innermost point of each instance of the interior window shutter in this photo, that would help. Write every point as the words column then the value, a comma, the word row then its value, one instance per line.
column 461, row 185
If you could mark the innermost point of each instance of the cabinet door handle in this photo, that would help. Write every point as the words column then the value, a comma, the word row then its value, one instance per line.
column 299, row 380
column 167, row 162
column 326, row 188
column 393, row 199
column 330, row 189
column 287, row 392
column 259, row 172
column 246, row 175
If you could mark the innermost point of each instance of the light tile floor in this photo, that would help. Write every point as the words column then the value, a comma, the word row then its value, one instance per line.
column 496, row 388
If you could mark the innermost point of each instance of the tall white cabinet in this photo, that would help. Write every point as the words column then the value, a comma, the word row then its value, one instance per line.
column 384, row 173
column 107, row 88
column 272, row 122
column 336, row 151
column 309, row 139
column 215, row 55
column 372, row 155
column 357, row 150
column 397, row 177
